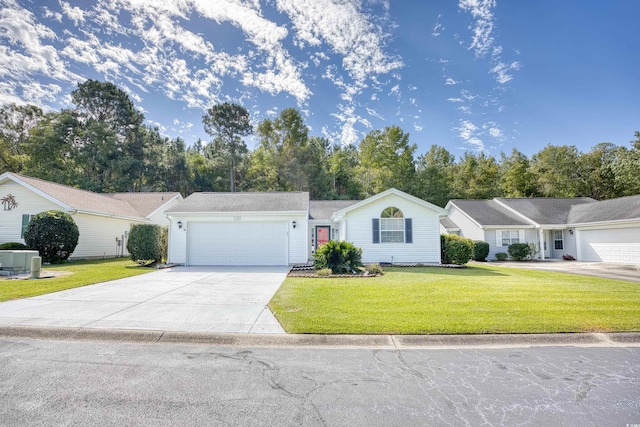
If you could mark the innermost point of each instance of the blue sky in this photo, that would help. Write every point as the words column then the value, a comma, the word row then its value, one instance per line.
column 469, row 75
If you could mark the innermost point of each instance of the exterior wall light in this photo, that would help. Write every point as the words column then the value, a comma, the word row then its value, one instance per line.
column 179, row 225
column 293, row 223
column 571, row 231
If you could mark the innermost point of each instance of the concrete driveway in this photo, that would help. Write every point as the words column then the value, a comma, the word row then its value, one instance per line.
column 607, row 270
column 190, row 299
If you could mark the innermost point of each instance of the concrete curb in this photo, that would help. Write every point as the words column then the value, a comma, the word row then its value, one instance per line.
column 391, row 342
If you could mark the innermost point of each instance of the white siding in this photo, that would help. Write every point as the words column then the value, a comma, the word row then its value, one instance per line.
column 298, row 242
column 526, row 235
column 159, row 217
column 611, row 244
column 28, row 203
column 98, row 236
column 426, row 232
column 468, row 228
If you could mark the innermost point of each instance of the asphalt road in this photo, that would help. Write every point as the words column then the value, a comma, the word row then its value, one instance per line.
column 104, row 383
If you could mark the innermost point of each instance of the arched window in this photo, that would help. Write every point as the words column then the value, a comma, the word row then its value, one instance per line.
column 392, row 226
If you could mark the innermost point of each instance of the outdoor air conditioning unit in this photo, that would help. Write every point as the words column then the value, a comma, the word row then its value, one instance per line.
column 16, row 261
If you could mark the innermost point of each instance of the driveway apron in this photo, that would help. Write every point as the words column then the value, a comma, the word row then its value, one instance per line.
column 190, row 299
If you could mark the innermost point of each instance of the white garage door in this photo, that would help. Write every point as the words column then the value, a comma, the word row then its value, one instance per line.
column 611, row 245
column 237, row 243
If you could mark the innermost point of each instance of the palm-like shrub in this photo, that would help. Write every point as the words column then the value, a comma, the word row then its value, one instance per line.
column 340, row 257
column 54, row 234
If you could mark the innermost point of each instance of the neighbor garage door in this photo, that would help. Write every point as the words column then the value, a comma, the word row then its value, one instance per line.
column 612, row 245
column 237, row 243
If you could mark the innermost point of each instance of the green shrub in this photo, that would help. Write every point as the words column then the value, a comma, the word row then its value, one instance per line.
column 480, row 250
column 455, row 249
column 374, row 269
column 519, row 251
column 502, row 256
column 147, row 243
column 340, row 257
column 54, row 234
column 325, row 272
column 12, row 246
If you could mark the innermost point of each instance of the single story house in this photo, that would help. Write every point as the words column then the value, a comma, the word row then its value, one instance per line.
column 283, row 228
column 103, row 219
column 586, row 229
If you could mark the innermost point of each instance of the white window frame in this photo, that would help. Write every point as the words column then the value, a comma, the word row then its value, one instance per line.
column 513, row 236
column 556, row 240
column 392, row 228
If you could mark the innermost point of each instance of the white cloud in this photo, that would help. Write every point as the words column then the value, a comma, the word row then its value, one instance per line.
column 437, row 30
column 502, row 71
column 449, row 81
column 468, row 132
column 74, row 13
column 482, row 38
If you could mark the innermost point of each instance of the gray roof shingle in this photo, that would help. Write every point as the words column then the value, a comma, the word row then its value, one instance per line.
column 447, row 223
column 488, row 212
column 606, row 210
column 145, row 203
column 323, row 209
column 542, row 210
column 243, row 202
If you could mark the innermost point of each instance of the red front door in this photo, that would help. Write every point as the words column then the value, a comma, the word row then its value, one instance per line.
column 322, row 235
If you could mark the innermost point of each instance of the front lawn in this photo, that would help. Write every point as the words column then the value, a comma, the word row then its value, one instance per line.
column 84, row 273
column 476, row 300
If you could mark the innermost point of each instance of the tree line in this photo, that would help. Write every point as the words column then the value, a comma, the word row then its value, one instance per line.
column 102, row 144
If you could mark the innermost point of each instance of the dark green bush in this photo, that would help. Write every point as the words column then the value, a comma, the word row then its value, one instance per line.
column 147, row 243
column 12, row 246
column 455, row 249
column 480, row 250
column 501, row 256
column 519, row 251
column 340, row 257
column 54, row 234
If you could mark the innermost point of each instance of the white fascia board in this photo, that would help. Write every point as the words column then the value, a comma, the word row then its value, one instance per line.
column 165, row 204
column 39, row 192
column 233, row 213
column 508, row 227
column 605, row 223
column 107, row 215
column 517, row 213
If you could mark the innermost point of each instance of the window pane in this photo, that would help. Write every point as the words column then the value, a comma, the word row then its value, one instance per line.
column 506, row 241
column 558, row 244
column 392, row 236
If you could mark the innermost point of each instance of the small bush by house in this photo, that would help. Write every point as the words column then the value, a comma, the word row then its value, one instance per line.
column 374, row 268
column 147, row 243
column 502, row 256
column 54, row 234
column 340, row 257
column 519, row 251
column 480, row 250
column 12, row 246
column 455, row 249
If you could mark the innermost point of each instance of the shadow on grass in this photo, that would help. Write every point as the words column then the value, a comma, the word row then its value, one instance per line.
column 469, row 271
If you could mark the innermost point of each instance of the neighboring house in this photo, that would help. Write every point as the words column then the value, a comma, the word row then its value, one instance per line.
column 103, row 220
column 584, row 228
column 283, row 228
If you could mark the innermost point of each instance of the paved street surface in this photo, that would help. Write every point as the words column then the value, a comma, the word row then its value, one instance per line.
column 102, row 383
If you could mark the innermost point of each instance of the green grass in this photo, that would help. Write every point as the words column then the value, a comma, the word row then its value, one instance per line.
column 84, row 273
column 476, row 300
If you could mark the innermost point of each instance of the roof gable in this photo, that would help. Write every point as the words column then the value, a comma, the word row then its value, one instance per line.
column 243, row 202
column 146, row 203
column 392, row 191
column 324, row 209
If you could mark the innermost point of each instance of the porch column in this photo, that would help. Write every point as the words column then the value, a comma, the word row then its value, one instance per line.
column 541, row 232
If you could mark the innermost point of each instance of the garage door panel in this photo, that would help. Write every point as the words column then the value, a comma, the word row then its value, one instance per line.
column 232, row 243
column 611, row 245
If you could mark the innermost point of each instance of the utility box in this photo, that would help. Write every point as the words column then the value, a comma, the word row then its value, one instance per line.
column 13, row 262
